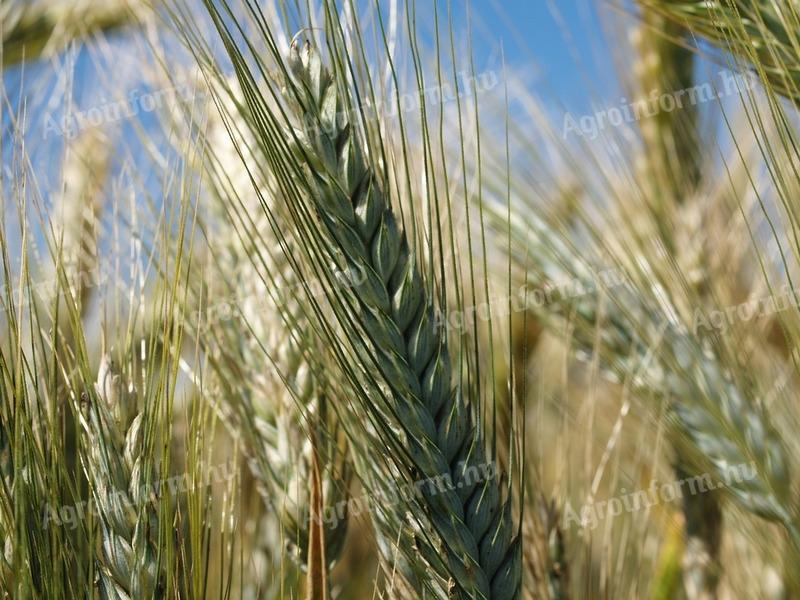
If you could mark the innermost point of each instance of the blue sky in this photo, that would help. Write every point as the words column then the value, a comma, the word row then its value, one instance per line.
column 539, row 37
column 561, row 39
column 529, row 31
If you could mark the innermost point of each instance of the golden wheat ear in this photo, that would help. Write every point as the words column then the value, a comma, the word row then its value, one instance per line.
column 43, row 27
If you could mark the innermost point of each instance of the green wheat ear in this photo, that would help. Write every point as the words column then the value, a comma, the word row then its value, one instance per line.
column 128, row 514
column 478, row 536
column 716, row 421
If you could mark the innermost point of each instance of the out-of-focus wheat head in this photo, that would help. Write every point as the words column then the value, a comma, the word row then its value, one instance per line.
column 34, row 28
column 76, row 215
column 664, row 66
column 674, row 166
column 671, row 284
column 282, row 408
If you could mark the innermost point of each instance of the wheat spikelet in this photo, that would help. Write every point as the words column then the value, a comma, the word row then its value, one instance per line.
column 128, row 557
column 478, row 540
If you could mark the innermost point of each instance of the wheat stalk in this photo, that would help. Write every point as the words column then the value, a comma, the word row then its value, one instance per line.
column 547, row 560
column 128, row 514
column 397, row 315
column 700, row 564
column 665, row 66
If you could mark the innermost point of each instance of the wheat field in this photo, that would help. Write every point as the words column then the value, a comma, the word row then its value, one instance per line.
column 343, row 299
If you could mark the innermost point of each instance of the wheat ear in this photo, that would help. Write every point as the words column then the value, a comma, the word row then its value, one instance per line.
column 397, row 315
column 280, row 404
column 760, row 32
column 284, row 452
column 38, row 27
column 720, row 422
column 75, row 221
column 664, row 66
column 128, row 558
